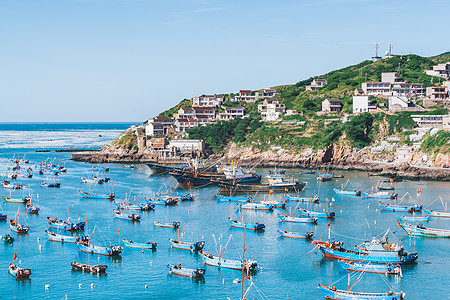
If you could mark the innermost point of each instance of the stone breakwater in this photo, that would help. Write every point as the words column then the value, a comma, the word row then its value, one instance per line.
column 332, row 157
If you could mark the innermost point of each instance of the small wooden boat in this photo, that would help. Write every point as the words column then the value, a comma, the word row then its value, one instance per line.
column 129, row 206
column 88, row 195
column 84, row 245
column 233, row 198
column 413, row 218
column 18, row 228
column 324, row 176
column 296, row 235
column 166, row 201
column 3, row 216
column 379, row 195
column 315, row 214
column 71, row 239
column 386, row 269
column 255, row 206
column 15, row 200
column 419, row 230
column 65, row 225
column 8, row 185
column 307, row 172
column 277, row 172
column 50, row 184
column 191, row 273
column 314, row 199
column 131, row 217
column 274, row 203
column 433, row 213
column 18, row 272
column 197, row 246
column 95, row 269
column 218, row 261
column 348, row 193
column 285, row 218
column 8, row 239
column 251, row 226
column 187, row 197
column 173, row 225
column 333, row 293
column 398, row 208
column 31, row 209
column 131, row 244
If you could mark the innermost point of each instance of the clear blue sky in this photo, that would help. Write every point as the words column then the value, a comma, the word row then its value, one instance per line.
column 127, row 60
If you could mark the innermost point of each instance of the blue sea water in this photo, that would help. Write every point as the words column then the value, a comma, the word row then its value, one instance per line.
column 290, row 268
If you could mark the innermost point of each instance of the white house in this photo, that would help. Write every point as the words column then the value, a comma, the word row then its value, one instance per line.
column 376, row 88
column 158, row 125
column 231, row 113
column 441, row 70
column 399, row 102
column 271, row 109
column 185, row 124
column 331, row 105
column 316, row 84
column 208, row 100
column 404, row 153
column 187, row 145
column 245, row 95
column 363, row 104
column 436, row 121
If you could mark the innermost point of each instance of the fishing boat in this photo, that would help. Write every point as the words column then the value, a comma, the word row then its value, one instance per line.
column 131, row 217
column 8, row 185
column 167, row 201
column 18, row 228
column 84, row 245
column 398, row 208
column 197, row 246
column 274, row 203
column 251, row 226
column 296, row 235
column 50, row 184
column 173, row 225
column 379, row 195
column 433, row 213
column 307, row 172
column 8, row 239
column 342, row 191
column 129, row 206
column 129, row 166
column 255, row 206
column 413, row 218
column 19, row 272
column 314, row 199
column 31, row 209
column 3, row 216
column 191, row 273
column 247, row 188
column 55, row 237
column 420, row 230
column 324, row 176
column 386, row 269
column 131, row 244
column 315, row 214
column 15, row 200
column 286, row 218
column 374, row 251
column 65, row 225
column 218, row 261
column 95, row 269
column 88, row 195
column 233, row 198
column 333, row 293
column 236, row 174
column 187, row 197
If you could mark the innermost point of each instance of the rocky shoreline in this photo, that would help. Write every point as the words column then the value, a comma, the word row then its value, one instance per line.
column 333, row 157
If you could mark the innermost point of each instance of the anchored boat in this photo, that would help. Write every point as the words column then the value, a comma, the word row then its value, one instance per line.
column 398, row 208
column 314, row 199
column 333, row 293
column 433, row 213
column 84, row 245
column 131, row 217
column 191, row 273
column 95, row 269
column 386, row 269
column 256, row 206
column 88, row 195
column 420, row 230
column 315, row 214
column 19, row 272
column 286, row 218
column 173, row 225
column 55, row 237
column 218, row 261
column 379, row 195
column 251, row 226
column 296, row 235
column 65, row 225
column 197, row 246
column 233, row 198
column 132, row 244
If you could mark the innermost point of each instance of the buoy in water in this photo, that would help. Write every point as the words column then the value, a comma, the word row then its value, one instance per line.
column 146, row 286
column 151, row 263
column 47, row 286
column 80, row 286
column 237, row 280
column 92, row 285
column 40, row 247
column 223, row 281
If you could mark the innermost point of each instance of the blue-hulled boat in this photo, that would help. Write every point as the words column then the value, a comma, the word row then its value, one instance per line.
column 419, row 230
column 18, row 272
column 173, row 225
column 218, row 261
column 197, row 246
column 94, row 269
column 139, row 207
column 131, row 244
column 398, row 208
column 286, row 218
column 233, row 198
column 65, row 225
column 333, row 293
column 348, row 193
column 167, row 201
column 255, row 206
column 31, row 209
column 324, row 176
column 50, row 184
column 314, row 199
column 3, row 216
column 191, row 273
column 296, row 235
column 307, row 172
column 274, row 203
column 277, row 172
column 374, row 251
column 413, row 218
column 386, row 269
column 18, row 228
column 88, row 195
column 379, row 195
column 439, row 214
column 55, row 237
column 251, row 226
column 128, row 217
column 84, row 245
column 315, row 214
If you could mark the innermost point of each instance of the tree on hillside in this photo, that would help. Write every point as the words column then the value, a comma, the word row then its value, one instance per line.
column 358, row 129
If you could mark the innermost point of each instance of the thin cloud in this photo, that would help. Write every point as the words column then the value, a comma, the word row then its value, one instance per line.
column 207, row 9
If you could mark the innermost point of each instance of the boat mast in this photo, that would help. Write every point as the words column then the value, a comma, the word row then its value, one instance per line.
column 243, row 265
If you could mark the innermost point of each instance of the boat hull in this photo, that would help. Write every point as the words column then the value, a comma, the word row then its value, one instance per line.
column 333, row 293
column 139, row 245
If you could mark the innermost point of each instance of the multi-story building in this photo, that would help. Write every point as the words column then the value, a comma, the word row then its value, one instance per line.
column 231, row 113
column 204, row 112
column 158, row 143
column 437, row 92
column 391, row 77
column 441, row 70
column 185, row 124
column 376, row 88
column 316, row 84
column 245, row 95
column 436, row 121
column 185, row 113
column 158, row 126
column 407, row 89
column 187, row 145
column 331, row 105
column 271, row 109
column 208, row 100
column 363, row 104
column 266, row 94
